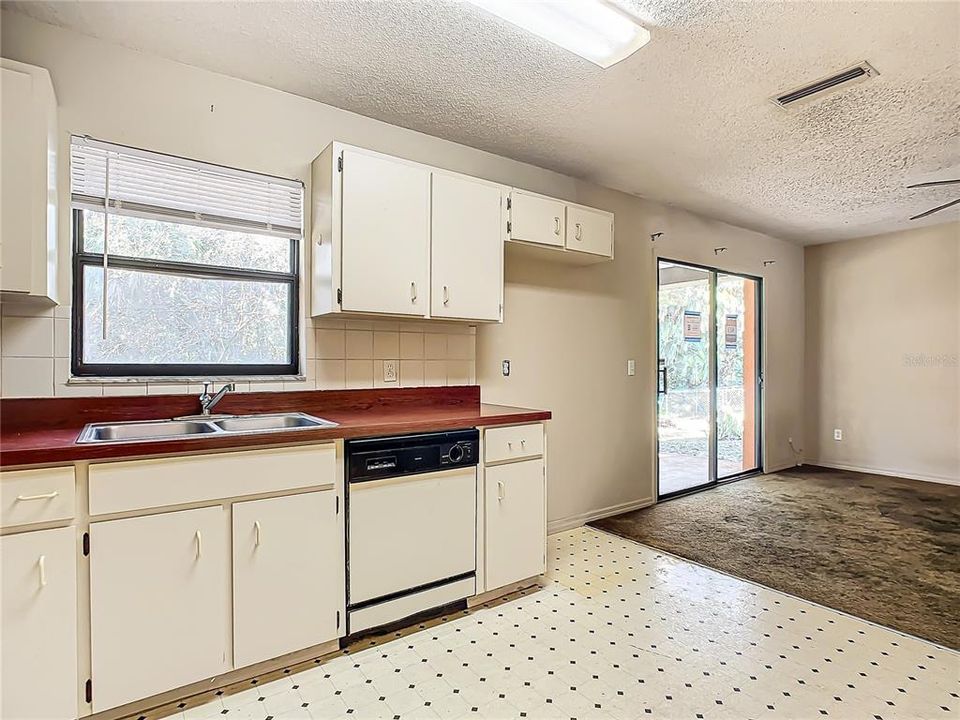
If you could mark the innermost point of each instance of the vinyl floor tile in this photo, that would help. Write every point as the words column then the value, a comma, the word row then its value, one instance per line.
column 620, row 631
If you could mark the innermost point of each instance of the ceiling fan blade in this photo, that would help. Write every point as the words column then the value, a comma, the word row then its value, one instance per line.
column 936, row 209
column 934, row 183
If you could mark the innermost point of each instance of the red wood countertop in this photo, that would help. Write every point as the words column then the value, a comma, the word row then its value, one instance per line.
column 44, row 431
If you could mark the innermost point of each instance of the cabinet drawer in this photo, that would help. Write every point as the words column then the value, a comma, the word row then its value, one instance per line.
column 141, row 484
column 513, row 443
column 36, row 496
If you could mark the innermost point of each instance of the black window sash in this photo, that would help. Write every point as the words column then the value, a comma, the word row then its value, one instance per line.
column 83, row 259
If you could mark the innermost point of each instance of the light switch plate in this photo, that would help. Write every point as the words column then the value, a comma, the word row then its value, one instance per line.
column 389, row 370
column 631, row 367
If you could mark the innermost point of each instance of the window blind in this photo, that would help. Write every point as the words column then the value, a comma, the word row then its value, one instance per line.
column 164, row 187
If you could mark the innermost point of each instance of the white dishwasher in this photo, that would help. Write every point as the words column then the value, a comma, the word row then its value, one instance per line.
column 411, row 525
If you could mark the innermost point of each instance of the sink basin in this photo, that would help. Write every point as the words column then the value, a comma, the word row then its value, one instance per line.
column 156, row 430
column 198, row 427
column 260, row 423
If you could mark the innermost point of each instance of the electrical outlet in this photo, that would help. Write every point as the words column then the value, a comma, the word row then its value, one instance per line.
column 389, row 370
column 505, row 367
column 837, row 434
column 631, row 367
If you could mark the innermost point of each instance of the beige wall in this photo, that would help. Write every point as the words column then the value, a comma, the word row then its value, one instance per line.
column 883, row 339
column 568, row 330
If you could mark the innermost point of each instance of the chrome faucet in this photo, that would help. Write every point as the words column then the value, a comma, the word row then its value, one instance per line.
column 207, row 401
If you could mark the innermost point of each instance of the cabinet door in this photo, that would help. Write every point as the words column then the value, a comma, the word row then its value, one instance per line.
column 385, row 235
column 18, row 179
column 516, row 511
column 467, row 248
column 589, row 231
column 159, row 603
column 38, row 630
column 287, row 575
column 536, row 219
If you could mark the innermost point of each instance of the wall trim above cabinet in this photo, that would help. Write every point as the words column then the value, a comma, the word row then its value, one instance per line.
column 399, row 238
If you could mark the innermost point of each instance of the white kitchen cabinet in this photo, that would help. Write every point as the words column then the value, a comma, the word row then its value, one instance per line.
column 467, row 224
column 515, row 522
column 385, row 234
column 287, row 575
column 589, row 230
column 37, row 496
column 28, row 183
column 554, row 229
column 399, row 238
column 159, row 603
column 536, row 218
column 38, row 625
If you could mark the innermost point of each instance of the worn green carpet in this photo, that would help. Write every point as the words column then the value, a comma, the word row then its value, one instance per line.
column 881, row 548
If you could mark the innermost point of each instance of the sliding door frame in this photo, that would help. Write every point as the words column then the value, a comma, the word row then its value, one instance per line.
column 713, row 442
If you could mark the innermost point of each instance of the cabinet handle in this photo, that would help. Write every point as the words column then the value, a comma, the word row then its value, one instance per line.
column 199, row 539
column 446, row 295
column 256, row 532
column 500, row 491
column 42, row 566
column 523, row 443
column 509, row 444
column 413, row 292
column 579, row 234
column 44, row 496
column 556, row 229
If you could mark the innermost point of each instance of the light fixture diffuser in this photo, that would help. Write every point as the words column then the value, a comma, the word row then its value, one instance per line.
column 595, row 30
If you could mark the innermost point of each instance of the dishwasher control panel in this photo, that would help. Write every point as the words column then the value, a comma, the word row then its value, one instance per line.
column 376, row 458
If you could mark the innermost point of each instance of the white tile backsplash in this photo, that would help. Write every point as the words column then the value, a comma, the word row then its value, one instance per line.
column 27, row 336
column 35, row 356
column 27, row 377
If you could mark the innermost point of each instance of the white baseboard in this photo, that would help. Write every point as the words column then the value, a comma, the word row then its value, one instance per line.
column 575, row 521
column 780, row 467
column 942, row 479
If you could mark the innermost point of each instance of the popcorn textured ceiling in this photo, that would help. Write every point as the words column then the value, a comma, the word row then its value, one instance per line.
column 685, row 121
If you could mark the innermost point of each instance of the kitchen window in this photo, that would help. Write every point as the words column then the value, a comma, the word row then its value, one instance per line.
column 181, row 268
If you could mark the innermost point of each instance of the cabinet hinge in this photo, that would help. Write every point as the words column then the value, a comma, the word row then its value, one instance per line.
column 509, row 203
column 88, row 691
column 509, row 226
column 86, row 543
column 340, row 164
column 339, row 296
column 338, row 619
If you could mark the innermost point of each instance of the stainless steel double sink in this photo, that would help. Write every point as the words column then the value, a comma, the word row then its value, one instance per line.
column 199, row 426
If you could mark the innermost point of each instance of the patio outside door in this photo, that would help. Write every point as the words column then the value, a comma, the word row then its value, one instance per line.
column 708, row 398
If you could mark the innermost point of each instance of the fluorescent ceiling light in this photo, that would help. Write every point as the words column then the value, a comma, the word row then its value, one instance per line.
column 593, row 29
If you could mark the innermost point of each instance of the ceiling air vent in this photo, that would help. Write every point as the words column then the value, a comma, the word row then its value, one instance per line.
column 850, row 76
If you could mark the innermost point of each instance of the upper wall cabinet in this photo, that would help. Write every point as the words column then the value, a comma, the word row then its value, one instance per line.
column 466, row 265
column 28, row 183
column 536, row 218
column 589, row 231
column 394, row 237
column 385, row 235
column 573, row 233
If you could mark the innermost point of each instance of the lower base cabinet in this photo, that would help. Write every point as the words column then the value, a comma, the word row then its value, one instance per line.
column 515, row 515
column 287, row 569
column 159, row 603
column 38, row 627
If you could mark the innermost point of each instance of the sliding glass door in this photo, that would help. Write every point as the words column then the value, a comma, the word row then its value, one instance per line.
column 708, row 400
